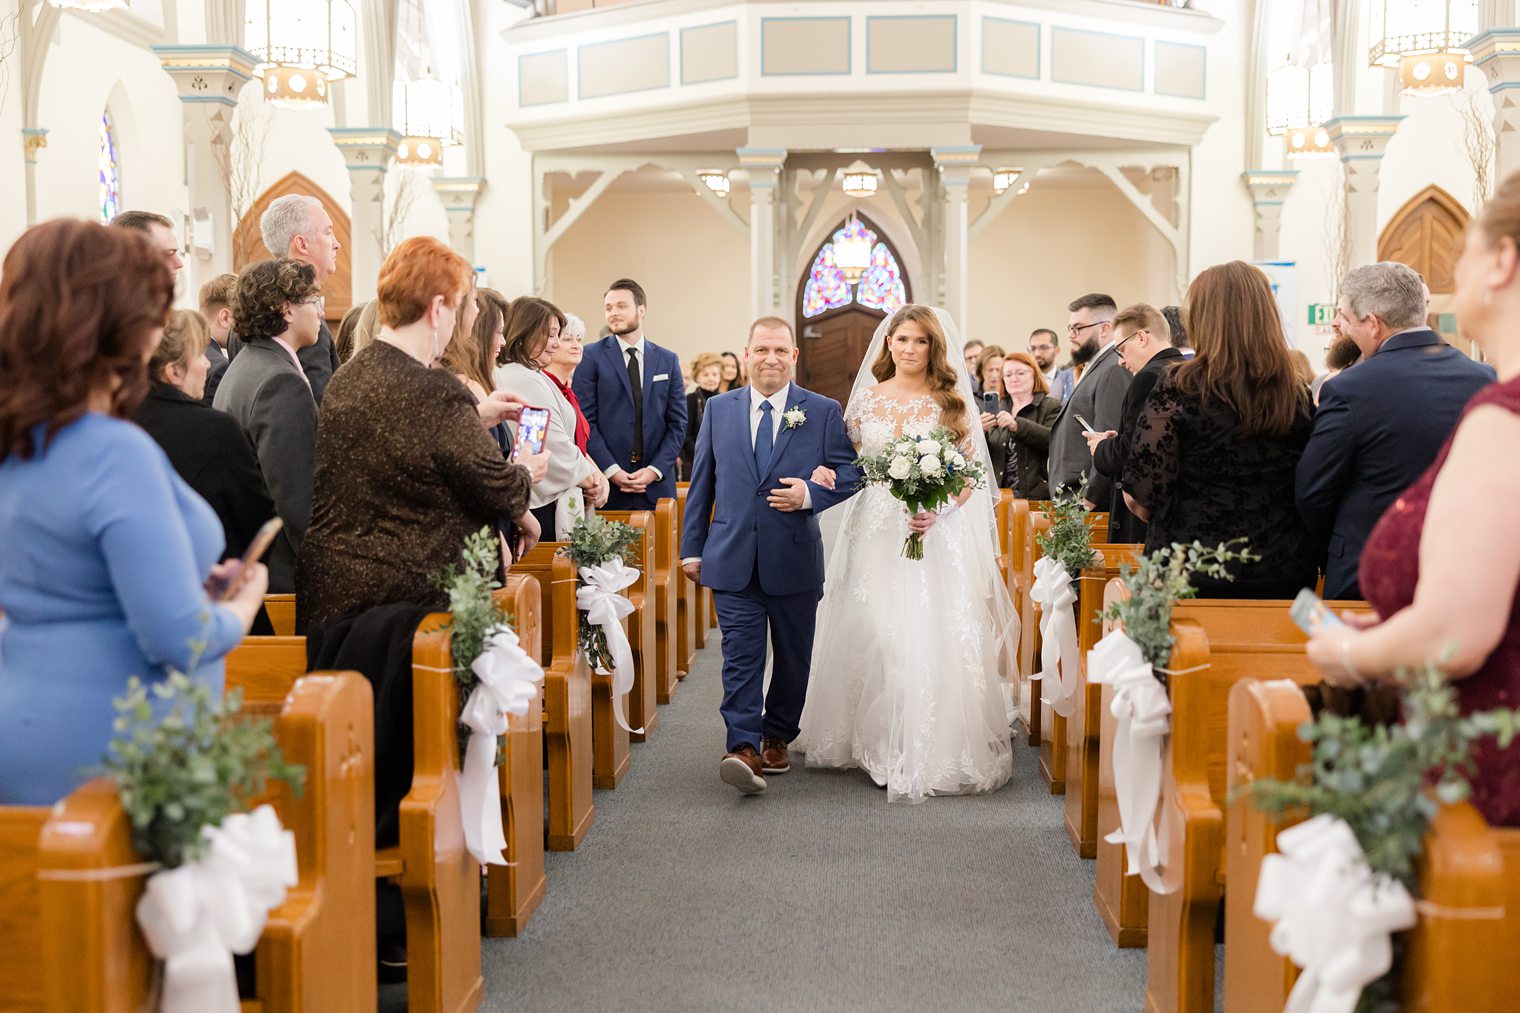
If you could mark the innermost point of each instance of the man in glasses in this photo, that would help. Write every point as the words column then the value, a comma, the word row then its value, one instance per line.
column 1042, row 345
column 1097, row 397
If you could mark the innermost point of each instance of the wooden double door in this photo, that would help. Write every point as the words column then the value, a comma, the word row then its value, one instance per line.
column 832, row 346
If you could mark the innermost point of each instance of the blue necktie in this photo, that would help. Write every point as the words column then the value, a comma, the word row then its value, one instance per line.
column 764, row 438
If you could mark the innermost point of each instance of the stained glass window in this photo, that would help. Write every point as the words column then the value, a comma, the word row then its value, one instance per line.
column 110, row 178
column 882, row 287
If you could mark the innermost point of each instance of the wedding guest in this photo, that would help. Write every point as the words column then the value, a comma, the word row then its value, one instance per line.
column 561, row 369
column 532, row 339
column 1381, row 425
column 1340, row 355
column 1145, row 351
column 1442, row 567
column 1097, row 396
column 1018, row 436
column 1058, row 379
column 1216, row 444
column 105, row 553
column 629, row 391
column 299, row 228
column 972, row 350
column 989, row 371
column 1302, row 367
column 1174, row 324
column 205, row 446
column 216, row 310
column 160, row 232
column 343, row 342
column 405, row 471
column 707, row 372
column 733, row 373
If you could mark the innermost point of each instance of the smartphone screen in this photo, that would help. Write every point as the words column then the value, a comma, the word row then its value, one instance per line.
column 990, row 403
column 1086, row 425
column 1311, row 613
column 255, row 551
column 532, row 426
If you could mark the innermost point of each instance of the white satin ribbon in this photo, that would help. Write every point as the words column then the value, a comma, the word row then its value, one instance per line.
column 197, row 916
column 1059, row 651
column 1334, row 917
column 600, row 597
column 1144, row 712
column 508, row 685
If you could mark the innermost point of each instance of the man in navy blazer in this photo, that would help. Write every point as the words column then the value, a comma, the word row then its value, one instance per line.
column 761, row 551
column 636, row 428
column 1380, row 423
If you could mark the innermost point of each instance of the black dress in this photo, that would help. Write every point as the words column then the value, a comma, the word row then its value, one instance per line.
column 1202, row 480
column 696, row 404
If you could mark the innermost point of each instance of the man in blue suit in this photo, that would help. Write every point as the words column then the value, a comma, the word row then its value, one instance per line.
column 1381, row 422
column 760, row 550
column 631, row 393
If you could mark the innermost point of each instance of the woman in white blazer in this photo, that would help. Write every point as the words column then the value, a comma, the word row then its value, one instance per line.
column 573, row 482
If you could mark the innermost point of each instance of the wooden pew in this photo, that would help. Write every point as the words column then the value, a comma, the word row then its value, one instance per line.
column 1122, row 900
column 642, row 712
column 1029, row 635
column 1219, row 643
column 686, row 610
column 514, row 892
column 1080, row 734
column 667, row 569
column 69, row 943
column 702, row 618
column 281, row 609
column 568, row 734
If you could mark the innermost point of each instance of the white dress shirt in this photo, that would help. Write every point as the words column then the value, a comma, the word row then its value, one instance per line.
column 638, row 355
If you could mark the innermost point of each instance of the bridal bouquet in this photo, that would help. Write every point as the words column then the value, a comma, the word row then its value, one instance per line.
column 925, row 473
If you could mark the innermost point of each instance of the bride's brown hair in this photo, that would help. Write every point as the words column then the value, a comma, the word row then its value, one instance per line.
column 942, row 378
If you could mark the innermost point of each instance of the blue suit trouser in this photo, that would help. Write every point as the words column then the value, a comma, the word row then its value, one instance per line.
column 750, row 619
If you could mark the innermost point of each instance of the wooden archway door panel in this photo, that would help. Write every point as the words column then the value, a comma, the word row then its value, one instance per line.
column 1426, row 234
column 248, row 244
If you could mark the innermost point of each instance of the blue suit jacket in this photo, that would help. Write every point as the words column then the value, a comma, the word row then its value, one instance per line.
column 1379, row 425
column 745, row 530
column 601, row 386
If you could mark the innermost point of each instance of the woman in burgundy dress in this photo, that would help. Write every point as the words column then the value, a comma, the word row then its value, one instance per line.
column 1442, row 566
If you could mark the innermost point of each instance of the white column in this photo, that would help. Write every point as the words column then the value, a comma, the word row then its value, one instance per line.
column 1361, row 141
column 33, row 140
column 209, row 79
column 1269, row 188
column 367, row 152
column 764, row 167
column 1496, row 52
column 955, row 165
column 459, row 194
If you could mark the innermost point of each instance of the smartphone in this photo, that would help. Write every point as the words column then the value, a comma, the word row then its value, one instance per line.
column 1086, row 425
column 255, row 552
column 1311, row 613
column 532, row 427
column 990, row 403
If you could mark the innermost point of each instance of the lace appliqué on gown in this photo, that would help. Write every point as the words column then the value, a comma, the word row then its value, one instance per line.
column 905, row 680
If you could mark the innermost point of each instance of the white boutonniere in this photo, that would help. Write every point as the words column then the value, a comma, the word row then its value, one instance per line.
column 794, row 417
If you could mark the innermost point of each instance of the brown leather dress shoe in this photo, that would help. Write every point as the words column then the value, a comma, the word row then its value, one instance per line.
column 742, row 770
column 773, row 756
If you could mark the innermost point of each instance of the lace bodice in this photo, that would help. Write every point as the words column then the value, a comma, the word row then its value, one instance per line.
column 874, row 420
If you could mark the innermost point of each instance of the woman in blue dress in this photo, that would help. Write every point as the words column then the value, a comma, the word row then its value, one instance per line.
column 104, row 551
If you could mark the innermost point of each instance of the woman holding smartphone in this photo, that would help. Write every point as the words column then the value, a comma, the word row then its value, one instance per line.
column 1018, row 430
column 573, row 482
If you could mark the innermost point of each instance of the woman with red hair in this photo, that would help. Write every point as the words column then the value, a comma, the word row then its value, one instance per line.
column 105, row 553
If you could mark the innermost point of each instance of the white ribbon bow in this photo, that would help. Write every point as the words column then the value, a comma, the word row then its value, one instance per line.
column 600, row 598
column 1059, row 651
column 197, row 916
column 508, row 685
column 1334, row 917
column 1144, row 712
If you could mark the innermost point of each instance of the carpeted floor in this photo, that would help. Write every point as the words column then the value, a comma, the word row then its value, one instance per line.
column 817, row 895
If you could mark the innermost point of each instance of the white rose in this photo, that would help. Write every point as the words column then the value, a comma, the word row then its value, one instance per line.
column 928, row 448
column 955, row 459
column 900, row 467
column 905, row 447
column 929, row 465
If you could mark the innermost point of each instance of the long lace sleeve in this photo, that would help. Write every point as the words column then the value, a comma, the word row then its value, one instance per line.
column 1150, row 472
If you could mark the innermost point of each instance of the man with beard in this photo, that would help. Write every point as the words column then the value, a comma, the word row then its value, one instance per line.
column 1043, row 345
column 1097, row 397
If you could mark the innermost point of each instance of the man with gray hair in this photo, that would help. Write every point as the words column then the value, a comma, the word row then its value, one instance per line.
column 299, row 227
column 1381, row 424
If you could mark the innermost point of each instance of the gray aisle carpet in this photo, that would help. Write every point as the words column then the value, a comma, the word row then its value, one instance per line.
column 817, row 895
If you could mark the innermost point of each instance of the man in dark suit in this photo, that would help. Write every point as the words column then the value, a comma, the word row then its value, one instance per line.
column 631, row 393
column 300, row 228
column 1145, row 351
column 1382, row 422
column 216, row 308
column 1098, row 397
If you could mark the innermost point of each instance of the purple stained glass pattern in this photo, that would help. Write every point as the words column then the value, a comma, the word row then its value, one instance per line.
column 826, row 288
column 110, row 178
column 882, row 286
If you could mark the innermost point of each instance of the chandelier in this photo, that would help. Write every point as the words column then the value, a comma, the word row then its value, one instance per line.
column 430, row 117
column 1299, row 99
column 852, row 250
column 1422, row 40
column 860, row 180
column 90, row 6
column 302, row 46
column 715, row 180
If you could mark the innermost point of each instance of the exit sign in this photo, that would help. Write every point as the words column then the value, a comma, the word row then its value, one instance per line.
column 1321, row 313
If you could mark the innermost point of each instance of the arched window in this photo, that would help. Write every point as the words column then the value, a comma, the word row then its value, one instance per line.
column 880, row 288
column 110, row 172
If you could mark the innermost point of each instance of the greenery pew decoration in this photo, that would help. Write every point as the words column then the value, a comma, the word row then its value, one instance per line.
column 496, row 678
column 1066, row 550
column 600, row 550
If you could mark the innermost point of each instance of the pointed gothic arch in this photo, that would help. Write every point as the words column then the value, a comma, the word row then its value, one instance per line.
column 1426, row 234
column 248, row 244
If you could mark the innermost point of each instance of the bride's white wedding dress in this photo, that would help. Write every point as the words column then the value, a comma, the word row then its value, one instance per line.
column 905, row 677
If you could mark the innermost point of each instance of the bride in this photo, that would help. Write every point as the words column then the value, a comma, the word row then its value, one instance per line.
column 909, row 662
